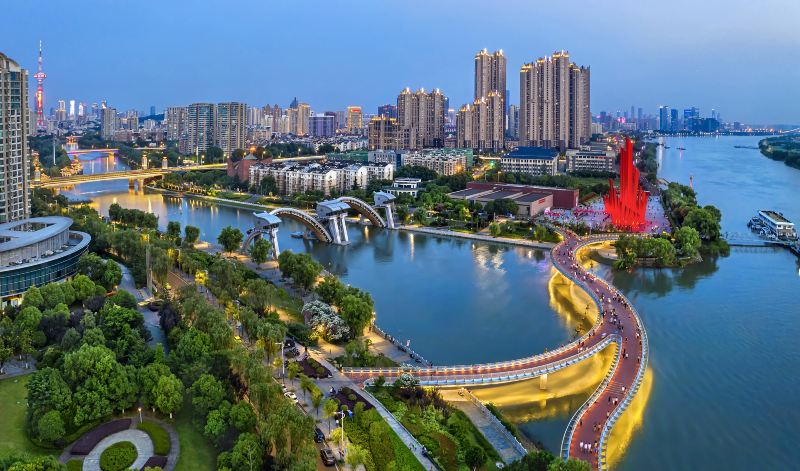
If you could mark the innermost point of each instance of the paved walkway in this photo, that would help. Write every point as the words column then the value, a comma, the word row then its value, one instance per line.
column 142, row 442
column 484, row 238
column 489, row 428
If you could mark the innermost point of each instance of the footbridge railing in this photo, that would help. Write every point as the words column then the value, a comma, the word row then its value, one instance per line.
column 454, row 376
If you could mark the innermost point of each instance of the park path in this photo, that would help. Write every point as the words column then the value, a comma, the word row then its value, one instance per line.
column 502, row 441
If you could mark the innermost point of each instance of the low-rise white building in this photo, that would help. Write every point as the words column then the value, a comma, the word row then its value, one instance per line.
column 530, row 160
column 329, row 177
column 587, row 159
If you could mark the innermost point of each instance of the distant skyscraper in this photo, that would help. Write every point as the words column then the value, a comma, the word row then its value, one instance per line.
column 200, row 127
column 663, row 118
column 420, row 117
column 490, row 79
column 72, row 110
column 383, row 133
column 481, row 125
column 322, row 125
column 354, row 119
column 176, row 120
column 303, row 113
column 513, row 121
column 230, row 121
column 108, row 123
column 14, row 129
column 674, row 120
column 61, row 111
column 554, row 103
column 152, row 110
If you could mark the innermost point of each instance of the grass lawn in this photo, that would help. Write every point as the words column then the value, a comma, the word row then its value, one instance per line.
column 197, row 453
column 12, row 426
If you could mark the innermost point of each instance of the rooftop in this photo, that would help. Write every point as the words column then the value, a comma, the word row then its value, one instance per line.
column 776, row 217
column 496, row 195
column 18, row 234
column 526, row 152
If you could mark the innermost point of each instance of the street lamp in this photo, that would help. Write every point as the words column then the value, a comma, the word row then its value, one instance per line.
column 283, row 362
column 140, row 414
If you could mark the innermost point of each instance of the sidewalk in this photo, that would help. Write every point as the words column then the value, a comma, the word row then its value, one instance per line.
column 489, row 428
column 483, row 238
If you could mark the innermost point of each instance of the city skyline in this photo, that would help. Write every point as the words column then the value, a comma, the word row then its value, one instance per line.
column 632, row 61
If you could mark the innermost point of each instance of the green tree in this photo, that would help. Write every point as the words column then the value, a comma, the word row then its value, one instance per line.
column 292, row 370
column 268, row 185
column 261, row 250
column 207, row 393
column 687, row 241
column 247, row 453
column 475, row 457
column 329, row 409
column 51, row 427
column 355, row 456
column 421, row 216
column 111, row 276
column 33, row 297
column 242, row 416
column 216, row 425
column 174, row 229
column 168, row 394
column 230, row 238
column 559, row 464
column 52, row 295
column 83, row 286
column 704, row 222
column 330, row 289
column 191, row 234
column 356, row 312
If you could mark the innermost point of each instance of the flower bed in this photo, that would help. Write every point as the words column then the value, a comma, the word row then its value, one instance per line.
column 348, row 397
column 313, row 369
column 88, row 441
column 155, row 462
column 118, row 457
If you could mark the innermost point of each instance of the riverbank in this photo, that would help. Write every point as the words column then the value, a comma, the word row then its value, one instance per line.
column 482, row 238
column 782, row 148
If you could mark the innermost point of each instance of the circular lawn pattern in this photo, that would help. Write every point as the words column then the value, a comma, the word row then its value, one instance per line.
column 118, row 457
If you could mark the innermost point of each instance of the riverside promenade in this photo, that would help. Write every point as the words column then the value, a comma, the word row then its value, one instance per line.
column 618, row 323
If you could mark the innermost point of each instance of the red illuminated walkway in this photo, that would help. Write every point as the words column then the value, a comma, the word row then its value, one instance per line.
column 618, row 323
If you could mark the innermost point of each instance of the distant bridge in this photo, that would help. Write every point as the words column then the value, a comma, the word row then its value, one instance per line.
column 130, row 175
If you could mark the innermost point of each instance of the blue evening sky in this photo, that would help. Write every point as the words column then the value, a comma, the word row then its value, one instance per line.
column 739, row 57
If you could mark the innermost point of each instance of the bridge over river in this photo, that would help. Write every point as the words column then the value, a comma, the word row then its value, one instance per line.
column 618, row 325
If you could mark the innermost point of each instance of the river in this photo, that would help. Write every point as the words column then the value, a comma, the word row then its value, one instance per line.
column 724, row 355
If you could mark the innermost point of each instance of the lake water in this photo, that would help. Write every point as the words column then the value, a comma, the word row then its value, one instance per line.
column 724, row 353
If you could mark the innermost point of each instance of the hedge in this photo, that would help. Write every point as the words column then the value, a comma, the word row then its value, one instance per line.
column 118, row 457
column 159, row 436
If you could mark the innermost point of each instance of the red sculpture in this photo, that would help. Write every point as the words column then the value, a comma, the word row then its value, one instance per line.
column 628, row 207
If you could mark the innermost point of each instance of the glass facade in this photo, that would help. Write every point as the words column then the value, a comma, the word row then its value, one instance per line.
column 15, row 280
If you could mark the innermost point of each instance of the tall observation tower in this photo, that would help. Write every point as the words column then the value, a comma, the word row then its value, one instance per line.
column 40, row 76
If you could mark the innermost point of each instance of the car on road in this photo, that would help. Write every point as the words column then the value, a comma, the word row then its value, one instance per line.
column 318, row 435
column 291, row 395
column 327, row 457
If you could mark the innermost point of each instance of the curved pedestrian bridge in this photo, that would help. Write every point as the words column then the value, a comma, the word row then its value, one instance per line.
column 617, row 324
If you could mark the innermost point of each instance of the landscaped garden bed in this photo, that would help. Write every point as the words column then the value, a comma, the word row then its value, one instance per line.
column 313, row 369
column 348, row 397
column 90, row 439
column 448, row 435
column 118, row 457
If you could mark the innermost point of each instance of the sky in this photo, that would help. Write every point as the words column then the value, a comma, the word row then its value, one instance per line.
column 741, row 58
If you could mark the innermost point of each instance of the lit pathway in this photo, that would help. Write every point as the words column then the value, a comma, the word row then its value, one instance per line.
column 618, row 324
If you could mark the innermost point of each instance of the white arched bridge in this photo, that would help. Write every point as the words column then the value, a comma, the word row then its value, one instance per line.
column 327, row 224
column 617, row 324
